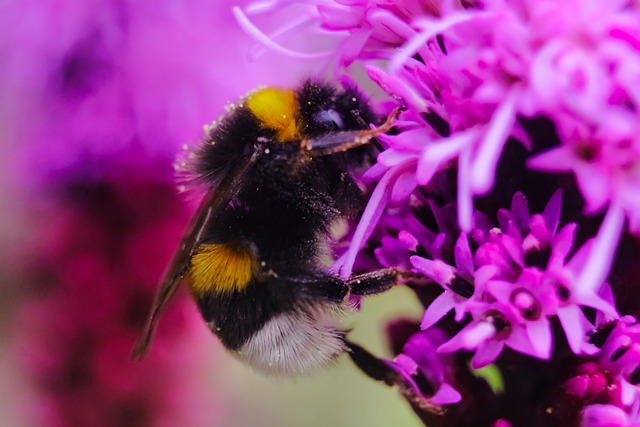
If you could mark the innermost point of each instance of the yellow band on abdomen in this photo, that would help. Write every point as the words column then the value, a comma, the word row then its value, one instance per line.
column 220, row 268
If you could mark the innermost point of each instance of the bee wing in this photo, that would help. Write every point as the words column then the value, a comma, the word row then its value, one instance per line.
column 214, row 202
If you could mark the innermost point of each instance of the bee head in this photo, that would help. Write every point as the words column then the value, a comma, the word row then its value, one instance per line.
column 315, row 109
column 281, row 125
column 324, row 110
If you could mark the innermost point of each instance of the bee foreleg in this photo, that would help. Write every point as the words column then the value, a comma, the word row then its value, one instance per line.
column 337, row 142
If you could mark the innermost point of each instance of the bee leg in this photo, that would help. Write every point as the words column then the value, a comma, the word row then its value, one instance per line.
column 373, row 282
column 337, row 142
column 364, row 125
column 332, row 288
column 379, row 370
column 316, row 286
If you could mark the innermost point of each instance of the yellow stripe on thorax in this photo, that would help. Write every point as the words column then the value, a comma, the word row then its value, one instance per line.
column 220, row 268
column 277, row 110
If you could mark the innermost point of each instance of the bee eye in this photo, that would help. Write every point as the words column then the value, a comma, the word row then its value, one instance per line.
column 329, row 119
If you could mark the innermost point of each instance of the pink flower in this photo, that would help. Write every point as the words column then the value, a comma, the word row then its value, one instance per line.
column 610, row 416
column 519, row 277
column 459, row 283
column 620, row 356
column 494, row 326
column 349, row 30
column 426, row 371
column 569, row 60
column 603, row 158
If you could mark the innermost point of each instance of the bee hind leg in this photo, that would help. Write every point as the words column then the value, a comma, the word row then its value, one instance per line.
column 373, row 282
column 332, row 288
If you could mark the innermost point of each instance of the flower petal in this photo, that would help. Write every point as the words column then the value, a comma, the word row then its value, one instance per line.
column 438, row 309
column 486, row 159
column 438, row 271
column 446, row 395
column 551, row 213
column 487, row 352
column 371, row 215
column 252, row 30
column 569, row 317
column 463, row 256
column 597, row 266
column 604, row 416
column 539, row 333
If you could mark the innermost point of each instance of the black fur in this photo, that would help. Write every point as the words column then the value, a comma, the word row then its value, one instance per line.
column 229, row 143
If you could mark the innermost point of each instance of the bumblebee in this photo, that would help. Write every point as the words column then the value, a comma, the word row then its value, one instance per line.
column 276, row 171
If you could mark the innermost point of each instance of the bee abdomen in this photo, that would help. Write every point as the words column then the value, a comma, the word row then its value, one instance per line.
column 221, row 268
column 295, row 342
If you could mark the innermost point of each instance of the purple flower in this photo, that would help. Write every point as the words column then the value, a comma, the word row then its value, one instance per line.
column 458, row 283
column 508, row 58
column 519, row 277
column 599, row 415
column 590, row 383
column 401, row 234
column 608, row 384
column 620, row 357
column 493, row 326
column 426, row 371
column 348, row 30
column 603, row 161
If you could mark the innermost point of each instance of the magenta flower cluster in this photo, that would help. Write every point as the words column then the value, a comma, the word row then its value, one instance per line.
column 520, row 277
column 529, row 103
